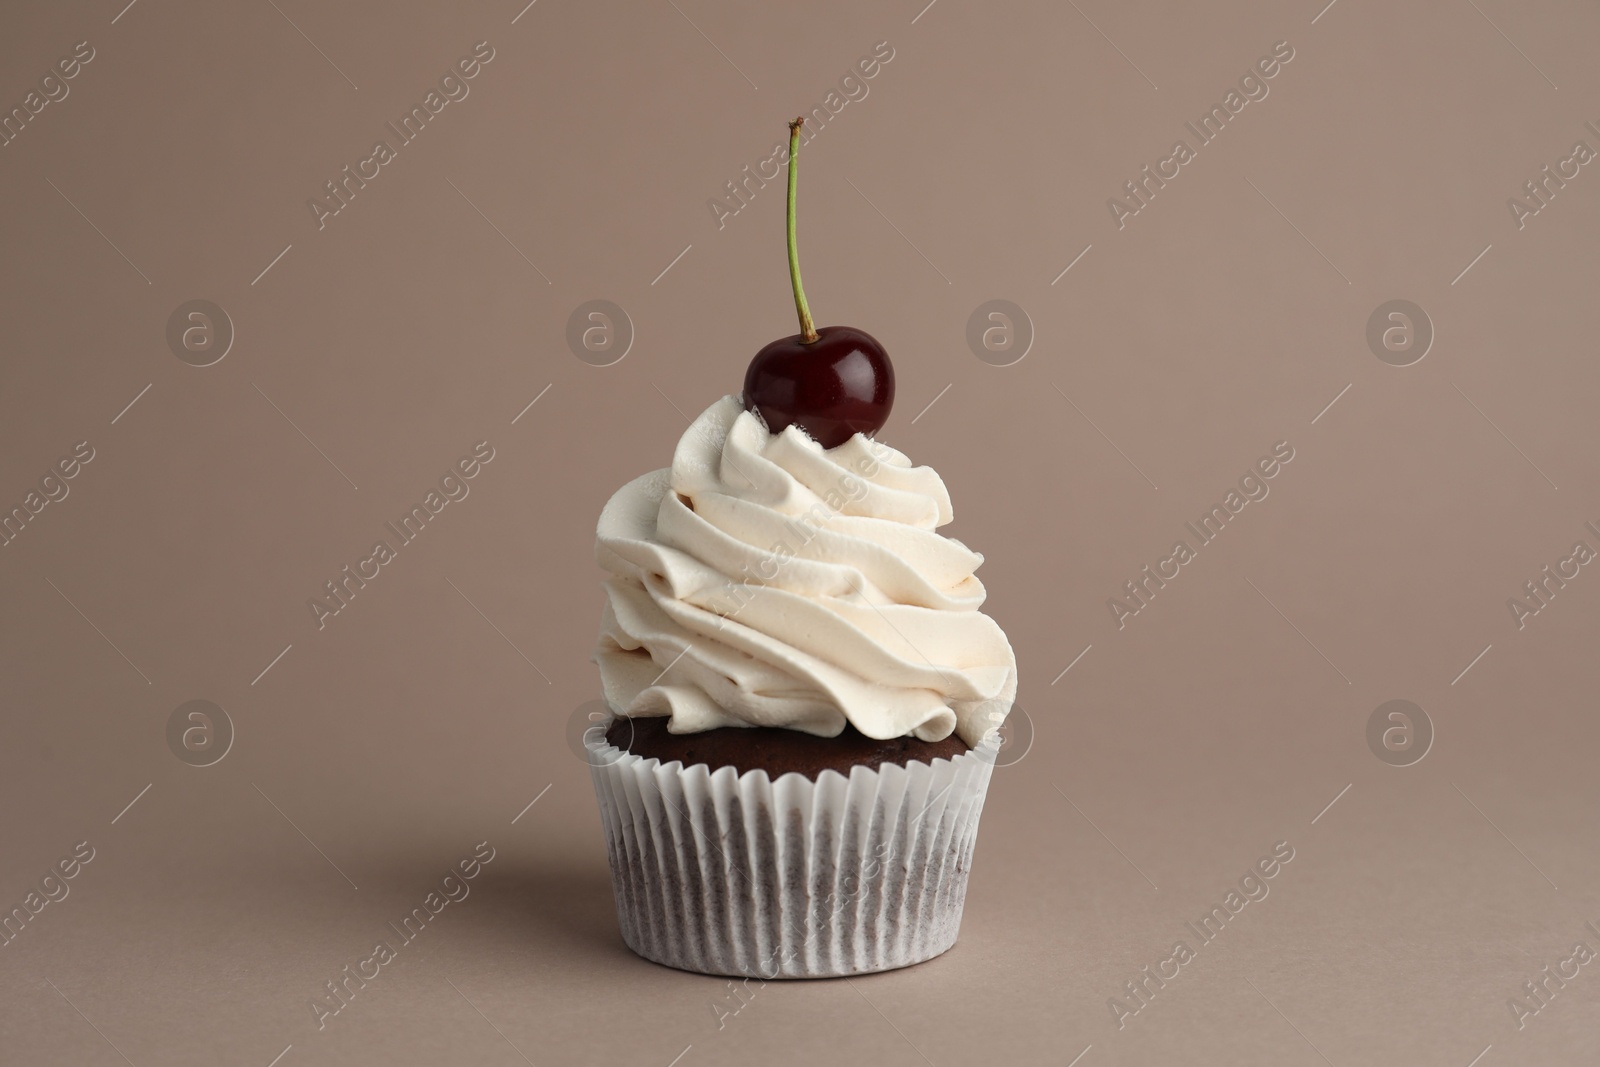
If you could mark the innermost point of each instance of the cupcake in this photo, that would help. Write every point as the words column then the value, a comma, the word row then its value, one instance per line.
column 804, row 690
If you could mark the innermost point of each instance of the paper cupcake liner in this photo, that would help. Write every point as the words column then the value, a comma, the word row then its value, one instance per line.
column 735, row 874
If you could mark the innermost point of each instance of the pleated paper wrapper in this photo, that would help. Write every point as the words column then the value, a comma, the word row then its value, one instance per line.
column 735, row 874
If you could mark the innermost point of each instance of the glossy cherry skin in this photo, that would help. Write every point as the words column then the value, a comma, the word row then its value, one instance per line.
column 837, row 386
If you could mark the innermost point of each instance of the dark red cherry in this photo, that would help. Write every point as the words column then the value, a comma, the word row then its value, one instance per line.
column 837, row 386
column 833, row 383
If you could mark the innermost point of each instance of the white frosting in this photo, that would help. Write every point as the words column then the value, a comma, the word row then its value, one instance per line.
column 766, row 581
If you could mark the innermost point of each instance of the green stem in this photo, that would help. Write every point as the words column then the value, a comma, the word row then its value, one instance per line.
column 808, row 330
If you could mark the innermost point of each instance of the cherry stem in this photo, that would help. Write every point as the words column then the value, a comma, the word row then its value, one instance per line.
column 808, row 329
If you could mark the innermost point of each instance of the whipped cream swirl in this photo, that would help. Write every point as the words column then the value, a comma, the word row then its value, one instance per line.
column 763, row 580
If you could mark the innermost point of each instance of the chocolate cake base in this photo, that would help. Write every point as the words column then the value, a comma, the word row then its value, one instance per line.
column 772, row 749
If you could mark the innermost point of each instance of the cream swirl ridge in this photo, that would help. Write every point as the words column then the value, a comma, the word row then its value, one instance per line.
column 765, row 581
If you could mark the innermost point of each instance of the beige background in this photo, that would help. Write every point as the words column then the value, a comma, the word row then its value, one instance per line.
column 1222, row 319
